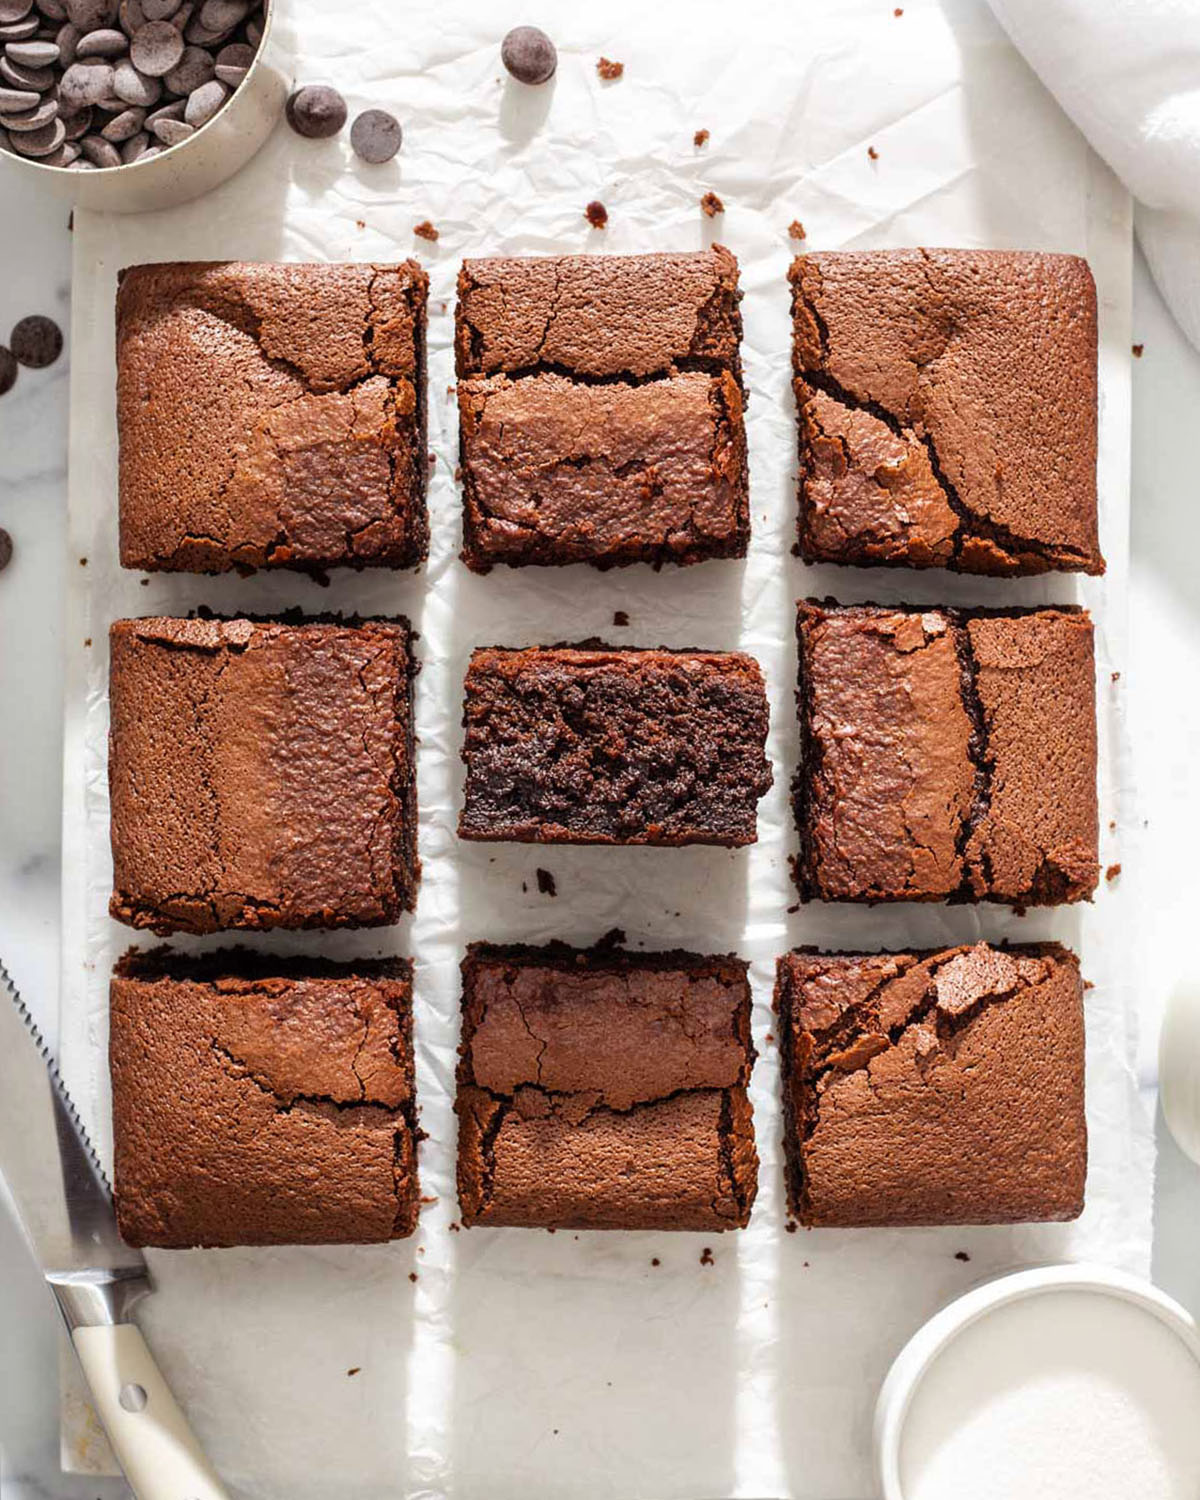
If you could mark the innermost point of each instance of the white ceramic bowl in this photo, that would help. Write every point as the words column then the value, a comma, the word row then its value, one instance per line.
column 922, row 1350
column 215, row 152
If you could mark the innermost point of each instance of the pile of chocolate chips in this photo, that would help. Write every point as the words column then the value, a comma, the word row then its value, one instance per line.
column 104, row 83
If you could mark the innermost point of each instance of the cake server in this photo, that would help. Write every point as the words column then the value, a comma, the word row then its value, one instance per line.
column 64, row 1205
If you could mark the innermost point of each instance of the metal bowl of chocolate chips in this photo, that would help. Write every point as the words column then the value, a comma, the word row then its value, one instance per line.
column 127, row 105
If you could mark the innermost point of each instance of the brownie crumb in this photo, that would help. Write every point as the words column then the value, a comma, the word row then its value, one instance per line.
column 425, row 230
column 87, row 640
column 1112, row 872
column 1138, row 350
column 1116, row 676
column 83, row 562
column 961, row 1255
column 354, row 1370
column 455, row 1227
column 712, row 205
column 1112, row 825
column 613, row 938
column 412, row 1276
column 620, row 617
column 545, row 882
column 654, row 1261
column 793, row 909
column 700, row 138
column 361, row 223
column 706, row 1257
column 791, row 1226
column 608, row 70
column 872, row 153
column 596, row 214
column 899, row 11
column 796, row 230
column 770, row 1036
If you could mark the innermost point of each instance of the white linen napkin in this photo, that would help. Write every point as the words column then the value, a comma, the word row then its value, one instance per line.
column 1128, row 73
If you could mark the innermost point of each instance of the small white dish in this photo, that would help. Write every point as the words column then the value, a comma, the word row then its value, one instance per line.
column 214, row 153
column 1179, row 1066
column 926, row 1357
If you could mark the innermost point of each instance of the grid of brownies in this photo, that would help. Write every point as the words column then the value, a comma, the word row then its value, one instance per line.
column 262, row 770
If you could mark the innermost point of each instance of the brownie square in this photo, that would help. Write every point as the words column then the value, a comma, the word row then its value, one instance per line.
column 262, row 1101
column 947, row 409
column 933, row 1088
column 261, row 773
column 604, row 1090
column 271, row 416
column 592, row 745
column 600, row 410
column 946, row 755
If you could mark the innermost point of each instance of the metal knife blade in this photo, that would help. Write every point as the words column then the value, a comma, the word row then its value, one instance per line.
column 53, row 1175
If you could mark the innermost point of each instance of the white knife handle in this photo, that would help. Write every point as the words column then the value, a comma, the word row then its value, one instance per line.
column 148, row 1432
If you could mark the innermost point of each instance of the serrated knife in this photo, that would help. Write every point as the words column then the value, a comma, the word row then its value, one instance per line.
column 65, row 1207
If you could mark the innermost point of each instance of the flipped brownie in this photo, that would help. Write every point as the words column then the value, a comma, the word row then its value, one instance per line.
column 594, row 745
column 933, row 1088
column 946, row 754
column 261, row 773
column 262, row 1101
column 947, row 409
column 604, row 1090
column 600, row 410
column 271, row 416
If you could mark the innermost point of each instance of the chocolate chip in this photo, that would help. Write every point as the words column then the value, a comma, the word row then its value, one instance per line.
column 204, row 102
column 88, row 14
column 31, row 54
column 14, row 10
column 99, row 152
column 192, row 70
column 18, row 101
column 67, row 37
column 172, row 132
column 135, row 147
column 36, row 342
column 132, row 16
column 172, row 111
column 529, row 54
column 83, row 84
column 156, row 48
column 37, row 80
column 32, row 120
column 223, row 15
column 6, row 549
column 375, row 136
column 316, row 111
column 596, row 214
column 17, row 31
column 67, row 153
column 158, row 10
column 53, row 10
column 124, row 125
column 106, row 42
column 39, row 142
column 133, row 87
column 8, row 370
column 78, row 124
column 233, row 63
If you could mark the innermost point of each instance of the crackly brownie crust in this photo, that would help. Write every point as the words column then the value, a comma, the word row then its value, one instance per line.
column 947, row 407
column 261, row 773
column 946, row 755
column 271, row 416
column 600, row 410
column 933, row 1088
column 604, row 1090
column 258, row 1102
column 594, row 745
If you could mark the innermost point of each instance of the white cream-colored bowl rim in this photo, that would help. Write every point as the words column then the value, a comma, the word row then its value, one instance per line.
column 217, row 150
column 927, row 1344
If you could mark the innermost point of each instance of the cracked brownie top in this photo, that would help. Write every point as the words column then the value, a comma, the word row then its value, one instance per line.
column 258, row 1103
column 261, row 773
column 946, row 754
column 271, row 415
column 933, row 1088
column 947, row 408
column 601, row 1089
column 595, row 745
column 600, row 410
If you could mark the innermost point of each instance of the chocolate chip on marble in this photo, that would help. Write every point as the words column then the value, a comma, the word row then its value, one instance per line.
column 83, row 84
column 19, row 31
column 18, row 101
column 100, row 152
column 14, row 10
column 192, row 70
column 204, row 102
column 132, row 87
column 88, row 14
column 156, row 48
column 375, row 136
column 529, row 54
column 53, row 10
column 32, row 54
column 172, row 132
column 33, row 119
column 233, row 63
column 316, row 111
column 37, row 80
column 105, row 42
column 36, row 143
column 8, row 373
column 122, row 126
column 6, row 544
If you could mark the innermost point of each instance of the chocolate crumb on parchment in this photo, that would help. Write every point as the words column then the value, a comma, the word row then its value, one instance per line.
column 425, row 230
column 608, row 70
column 712, row 205
column 700, row 138
column 1112, row 872
column 546, row 882
column 596, row 214
column 796, row 230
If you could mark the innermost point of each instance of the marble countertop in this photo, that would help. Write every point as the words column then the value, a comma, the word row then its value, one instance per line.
column 1163, row 666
